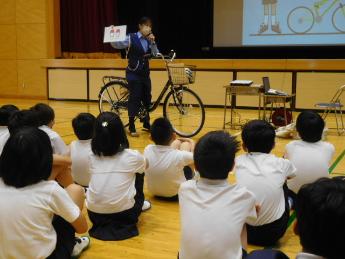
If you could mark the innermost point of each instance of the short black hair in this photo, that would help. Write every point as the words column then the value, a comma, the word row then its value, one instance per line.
column 161, row 131
column 320, row 210
column 258, row 136
column 310, row 126
column 27, row 158
column 22, row 119
column 109, row 136
column 6, row 112
column 214, row 155
column 83, row 125
column 145, row 20
column 45, row 113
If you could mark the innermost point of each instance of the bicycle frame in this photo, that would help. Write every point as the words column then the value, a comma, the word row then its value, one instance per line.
column 168, row 84
column 160, row 97
column 328, row 9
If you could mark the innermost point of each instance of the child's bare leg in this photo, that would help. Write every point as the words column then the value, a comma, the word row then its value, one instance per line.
column 176, row 144
column 77, row 193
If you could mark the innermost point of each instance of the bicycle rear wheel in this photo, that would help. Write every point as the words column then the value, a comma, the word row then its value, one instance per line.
column 185, row 111
column 113, row 97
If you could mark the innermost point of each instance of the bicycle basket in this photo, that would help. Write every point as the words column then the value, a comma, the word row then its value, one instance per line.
column 181, row 74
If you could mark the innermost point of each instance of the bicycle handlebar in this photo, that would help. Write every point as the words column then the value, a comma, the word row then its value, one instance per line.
column 167, row 58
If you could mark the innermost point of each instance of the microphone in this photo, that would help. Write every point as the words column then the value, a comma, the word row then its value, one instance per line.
column 152, row 41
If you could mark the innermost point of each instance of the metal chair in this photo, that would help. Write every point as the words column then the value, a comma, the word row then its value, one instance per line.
column 336, row 106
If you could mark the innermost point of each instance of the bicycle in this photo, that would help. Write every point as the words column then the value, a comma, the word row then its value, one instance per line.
column 302, row 19
column 182, row 106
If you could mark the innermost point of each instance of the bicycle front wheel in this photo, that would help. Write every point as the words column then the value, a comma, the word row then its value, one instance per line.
column 338, row 18
column 185, row 110
column 301, row 20
column 113, row 97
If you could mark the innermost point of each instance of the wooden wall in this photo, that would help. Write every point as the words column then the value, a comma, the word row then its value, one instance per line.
column 25, row 39
column 315, row 80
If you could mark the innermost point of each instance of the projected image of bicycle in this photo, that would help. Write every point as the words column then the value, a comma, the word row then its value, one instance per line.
column 302, row 19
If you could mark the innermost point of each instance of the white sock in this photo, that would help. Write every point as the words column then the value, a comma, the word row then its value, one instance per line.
column 266, row 20
column 274, row 20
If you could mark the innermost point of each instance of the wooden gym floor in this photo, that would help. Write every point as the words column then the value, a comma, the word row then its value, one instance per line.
column 159, row 227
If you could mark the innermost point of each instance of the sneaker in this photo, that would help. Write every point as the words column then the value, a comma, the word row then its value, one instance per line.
column 276, row 28
column 81, row 244
column 263, row 28
column 146, row 206
column 146, row 126
column 133, row 132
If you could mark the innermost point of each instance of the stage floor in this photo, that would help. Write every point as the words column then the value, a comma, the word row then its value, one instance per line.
column 159, row 227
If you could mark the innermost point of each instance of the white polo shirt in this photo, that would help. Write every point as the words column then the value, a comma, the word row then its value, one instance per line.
column 308, row 256
column 26, row 229
column 213, row 214
column 264, row 175
column 80, row 153
column 4, row 136
column 112, row 184
column 58, row 145
column 165, row 172
column 311, row 160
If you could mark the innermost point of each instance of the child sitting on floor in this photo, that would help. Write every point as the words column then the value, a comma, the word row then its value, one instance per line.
column 38, row 218
column 265, row 176
column 115, row 198
column 168, row 160
column 80, row 149
column 213, row 212
column 6, row 112
column 28, row 118
column 46, row 119
column 310, row 155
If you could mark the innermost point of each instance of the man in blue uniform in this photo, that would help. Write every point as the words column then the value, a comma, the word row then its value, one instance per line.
column 141, row 46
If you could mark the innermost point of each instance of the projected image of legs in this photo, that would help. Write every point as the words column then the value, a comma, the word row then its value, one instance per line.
column 270, row 14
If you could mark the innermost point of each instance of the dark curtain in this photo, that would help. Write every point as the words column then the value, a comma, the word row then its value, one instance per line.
column 83, row 22
column 185, row 26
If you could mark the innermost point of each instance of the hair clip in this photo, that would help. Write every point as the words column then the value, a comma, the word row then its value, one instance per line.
column 104, row 124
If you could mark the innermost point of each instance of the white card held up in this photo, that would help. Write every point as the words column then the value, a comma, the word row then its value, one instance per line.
column 115, row 33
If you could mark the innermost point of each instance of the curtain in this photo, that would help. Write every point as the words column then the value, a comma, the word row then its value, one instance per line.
column 82, row 26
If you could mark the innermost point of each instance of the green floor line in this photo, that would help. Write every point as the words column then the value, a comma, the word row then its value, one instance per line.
column 330, row 170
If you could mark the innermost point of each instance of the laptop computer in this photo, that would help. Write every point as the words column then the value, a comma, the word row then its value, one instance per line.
column 268, row 90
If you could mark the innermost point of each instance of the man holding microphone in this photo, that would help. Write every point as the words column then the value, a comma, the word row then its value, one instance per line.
column 141, row 46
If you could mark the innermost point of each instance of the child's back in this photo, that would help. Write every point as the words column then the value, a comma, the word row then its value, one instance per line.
column 213, row 212
column 115, row 197
column 264, row 175
column 165, row 172
column 310, row 156
column 37, row 214
column 80, row 149
column 46, row 118
column 167, row 160
column 31, row 218
column 112, row 184
column 80, row 154
column 311, row 160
